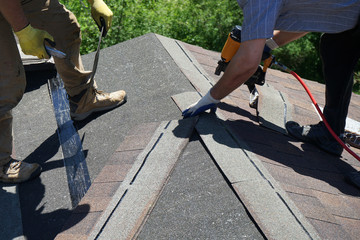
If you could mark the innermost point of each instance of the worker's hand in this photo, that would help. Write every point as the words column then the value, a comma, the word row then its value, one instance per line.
column 205, row 103
column 32, row 41
column 100, row 10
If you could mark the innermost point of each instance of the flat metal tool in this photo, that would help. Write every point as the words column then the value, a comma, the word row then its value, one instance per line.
column 54, row 52
column 51, row 50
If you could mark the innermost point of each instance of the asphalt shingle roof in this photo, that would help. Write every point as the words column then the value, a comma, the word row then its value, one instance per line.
column 313, row 179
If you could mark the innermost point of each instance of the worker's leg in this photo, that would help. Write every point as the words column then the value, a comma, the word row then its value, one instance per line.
column 62, row 25
column 339, row 53
column 12, row 87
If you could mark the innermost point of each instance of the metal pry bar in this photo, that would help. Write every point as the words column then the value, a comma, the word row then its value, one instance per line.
column 54, row 52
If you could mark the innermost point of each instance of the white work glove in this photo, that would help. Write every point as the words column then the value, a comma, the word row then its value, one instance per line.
column 205, row 103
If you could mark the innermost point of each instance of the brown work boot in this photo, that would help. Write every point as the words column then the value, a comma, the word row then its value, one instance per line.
column 92, row 100
column 18, row 171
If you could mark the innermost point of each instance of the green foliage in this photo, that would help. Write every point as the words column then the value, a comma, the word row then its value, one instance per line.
column 199, row 22
column 356, row 88
column 196, row 22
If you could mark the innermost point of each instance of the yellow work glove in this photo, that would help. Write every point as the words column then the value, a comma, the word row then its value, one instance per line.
column 32, row 41
column 99, row 10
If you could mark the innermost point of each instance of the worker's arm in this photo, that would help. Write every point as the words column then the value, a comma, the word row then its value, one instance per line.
column 31, row 39
column 13, row 13
column 282, row 38
column 245, row 62
column 99, row 10
column 241, row 67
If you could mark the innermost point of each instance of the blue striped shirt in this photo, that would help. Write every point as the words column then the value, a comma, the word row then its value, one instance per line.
column 262, row 17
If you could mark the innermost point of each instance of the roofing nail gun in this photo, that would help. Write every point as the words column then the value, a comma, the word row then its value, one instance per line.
column 231, row 46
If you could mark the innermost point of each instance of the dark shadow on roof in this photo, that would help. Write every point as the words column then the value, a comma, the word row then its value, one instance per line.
column 282, row 151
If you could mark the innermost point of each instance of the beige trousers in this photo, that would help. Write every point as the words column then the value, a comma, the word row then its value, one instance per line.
column 53, row 17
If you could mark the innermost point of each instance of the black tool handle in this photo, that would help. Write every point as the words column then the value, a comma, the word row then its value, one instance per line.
column 102, row 27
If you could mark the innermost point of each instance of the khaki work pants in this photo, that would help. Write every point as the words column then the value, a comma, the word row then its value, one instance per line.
column 53, row 17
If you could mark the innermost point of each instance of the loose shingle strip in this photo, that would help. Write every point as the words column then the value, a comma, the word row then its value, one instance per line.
column 274, row 110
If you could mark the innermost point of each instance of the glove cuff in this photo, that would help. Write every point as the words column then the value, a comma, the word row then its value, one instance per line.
column 93, row 1
column 25, row 31
column 209, row 98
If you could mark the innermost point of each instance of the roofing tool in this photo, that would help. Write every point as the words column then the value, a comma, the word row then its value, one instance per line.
column 96, row 59
column 231, row 46
column 52, row 51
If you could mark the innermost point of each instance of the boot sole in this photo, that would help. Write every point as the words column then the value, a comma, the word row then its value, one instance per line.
column 82, row 116
column 34, row 175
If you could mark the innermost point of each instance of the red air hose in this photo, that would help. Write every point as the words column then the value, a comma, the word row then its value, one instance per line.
column 318, row 110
